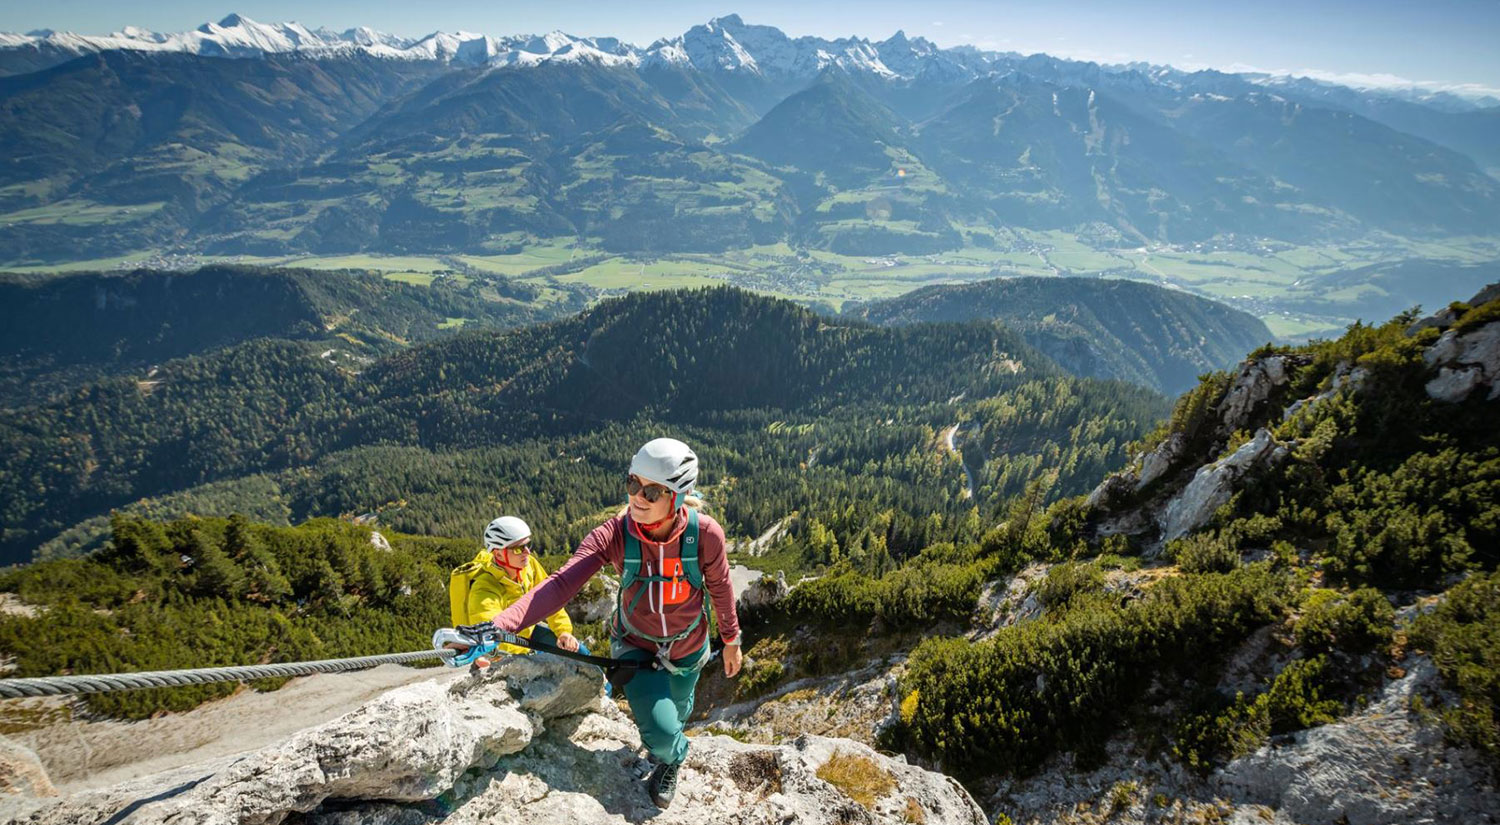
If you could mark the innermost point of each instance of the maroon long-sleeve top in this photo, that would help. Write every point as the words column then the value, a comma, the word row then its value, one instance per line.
column 664, row 608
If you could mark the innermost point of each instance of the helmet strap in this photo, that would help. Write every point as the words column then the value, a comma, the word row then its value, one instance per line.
column 503, row 554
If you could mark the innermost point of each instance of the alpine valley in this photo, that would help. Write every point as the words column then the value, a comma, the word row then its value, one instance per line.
column 823, row 170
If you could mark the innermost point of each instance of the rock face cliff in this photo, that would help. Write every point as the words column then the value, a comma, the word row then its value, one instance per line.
column 533, row 740
column 1175, row 488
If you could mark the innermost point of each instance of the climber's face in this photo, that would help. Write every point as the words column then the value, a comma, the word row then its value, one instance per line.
column 513, row 559
column 649, row 502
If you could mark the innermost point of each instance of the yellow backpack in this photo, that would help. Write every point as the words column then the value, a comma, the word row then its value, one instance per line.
column 460, row 582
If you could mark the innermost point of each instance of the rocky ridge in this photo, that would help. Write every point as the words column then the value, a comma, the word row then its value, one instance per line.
column 1175, row 487
column 531, row 740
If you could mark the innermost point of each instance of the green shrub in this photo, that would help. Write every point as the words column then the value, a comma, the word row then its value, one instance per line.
column 218, row 592
column 1067, row 580
column 1463, row 636
column 1416, row 525
column 759, row 678
column 1358, row 622
column 1296, row 701
column 1218, row 730
column 918, row 594
column 1215, row 729
column 1206, row 552
column 1009, row 702
column 1475, row 317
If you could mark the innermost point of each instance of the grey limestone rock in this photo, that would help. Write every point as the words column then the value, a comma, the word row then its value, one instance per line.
column 410, row 744
column 1465, row 362
column 1383, row 764
column 1254, row 383
column 530, row 741
column 1213, row 484
column 764, row 592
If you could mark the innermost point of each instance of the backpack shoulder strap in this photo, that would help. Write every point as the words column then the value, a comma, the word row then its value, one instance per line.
column 632, row 566
column 689, row 552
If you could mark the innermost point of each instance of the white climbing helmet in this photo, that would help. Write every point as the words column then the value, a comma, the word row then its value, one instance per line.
column 506, row 531
column 667, row 462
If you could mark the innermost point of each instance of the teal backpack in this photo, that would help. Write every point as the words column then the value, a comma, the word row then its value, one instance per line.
column 690, row 574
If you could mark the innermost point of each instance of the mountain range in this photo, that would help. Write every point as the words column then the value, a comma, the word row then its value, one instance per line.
column 728, row 136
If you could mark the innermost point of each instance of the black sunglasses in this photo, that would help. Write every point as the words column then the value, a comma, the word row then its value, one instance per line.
column 650, row 492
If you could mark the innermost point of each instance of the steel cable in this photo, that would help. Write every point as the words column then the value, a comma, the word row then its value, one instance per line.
column 62, row 685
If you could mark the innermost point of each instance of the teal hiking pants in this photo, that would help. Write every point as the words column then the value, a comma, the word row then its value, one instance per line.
column 660, row 702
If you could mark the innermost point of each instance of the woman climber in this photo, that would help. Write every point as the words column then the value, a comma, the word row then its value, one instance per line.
column 674, row 574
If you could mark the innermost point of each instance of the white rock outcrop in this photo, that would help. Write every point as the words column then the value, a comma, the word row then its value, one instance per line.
column 1253, row 384
column 1465, row 363
column 531, row 741
column 1214, row 483
column 1009, row 602
column 410, row 744
column 598, row 606
column 1381, row 765
column 1156, row 463
column 764, row 592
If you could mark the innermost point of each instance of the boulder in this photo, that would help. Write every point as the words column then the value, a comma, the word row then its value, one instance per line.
column 764, row 592
column 588, row 774
column 1465, row 363
column 1156, row 463
column 595, row 605
column 410, row 744
column 1454, row 385
column 1113, row 490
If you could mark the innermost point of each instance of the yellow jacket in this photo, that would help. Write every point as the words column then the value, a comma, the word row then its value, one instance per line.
column 493, row 591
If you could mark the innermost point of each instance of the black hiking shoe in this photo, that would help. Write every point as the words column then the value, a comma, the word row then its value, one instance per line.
column 663, row 784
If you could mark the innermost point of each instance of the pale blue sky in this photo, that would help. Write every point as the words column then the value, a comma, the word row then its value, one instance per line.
column 1443, row 41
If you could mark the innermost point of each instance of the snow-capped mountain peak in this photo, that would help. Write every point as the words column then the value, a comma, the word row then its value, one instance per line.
column 725, row 44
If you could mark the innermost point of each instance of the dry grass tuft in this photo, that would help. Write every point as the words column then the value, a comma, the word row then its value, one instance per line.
column 858, row 777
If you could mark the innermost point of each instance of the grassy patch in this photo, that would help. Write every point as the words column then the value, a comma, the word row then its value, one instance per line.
column 860, row 778
column 417, row 278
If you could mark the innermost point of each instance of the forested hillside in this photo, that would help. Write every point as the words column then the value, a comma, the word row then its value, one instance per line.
column 59, row 333
column 1127, row 330
column 681, row 359
column 204, row 592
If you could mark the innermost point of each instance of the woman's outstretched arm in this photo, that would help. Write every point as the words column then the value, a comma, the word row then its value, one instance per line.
column 549, row 597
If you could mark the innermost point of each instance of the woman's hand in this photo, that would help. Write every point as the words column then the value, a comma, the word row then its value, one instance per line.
column 732, row 660
column 568, row 642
